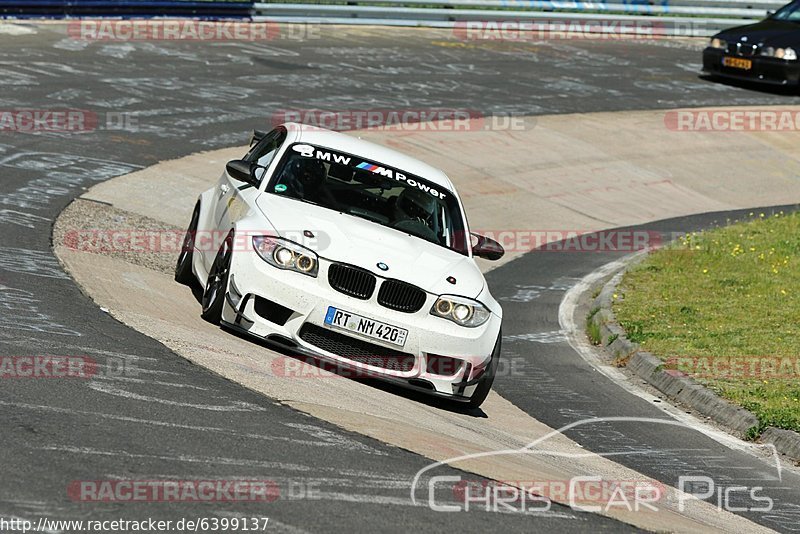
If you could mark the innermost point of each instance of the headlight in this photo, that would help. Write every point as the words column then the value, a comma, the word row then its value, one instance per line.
column 461, row 310
column 789, row 54
column 716, row 42
column 285, row 254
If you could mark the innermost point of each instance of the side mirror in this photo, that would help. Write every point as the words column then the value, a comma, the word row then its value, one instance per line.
column 487, row 248
column 257, row 136
column 241, row 170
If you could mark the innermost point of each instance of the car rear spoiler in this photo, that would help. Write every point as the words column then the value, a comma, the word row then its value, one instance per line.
column 257, row 136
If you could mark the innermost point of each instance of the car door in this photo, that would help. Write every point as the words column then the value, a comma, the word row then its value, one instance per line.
column 234, row 198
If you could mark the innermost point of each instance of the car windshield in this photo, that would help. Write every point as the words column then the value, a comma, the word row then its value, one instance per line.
column 372, row 191
column 790, row 12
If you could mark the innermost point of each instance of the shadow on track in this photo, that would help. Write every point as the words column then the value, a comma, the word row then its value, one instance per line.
column 776, row 90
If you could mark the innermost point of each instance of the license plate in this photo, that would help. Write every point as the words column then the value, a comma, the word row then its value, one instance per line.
column 366, row 327
column 737, row 63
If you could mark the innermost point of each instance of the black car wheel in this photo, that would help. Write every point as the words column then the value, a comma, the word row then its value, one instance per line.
column 217, row 283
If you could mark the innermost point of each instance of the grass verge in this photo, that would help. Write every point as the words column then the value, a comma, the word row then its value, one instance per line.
column 724, row 307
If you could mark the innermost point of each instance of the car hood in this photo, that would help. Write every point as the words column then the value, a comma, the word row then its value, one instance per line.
column 777, row 33
column 348, row 239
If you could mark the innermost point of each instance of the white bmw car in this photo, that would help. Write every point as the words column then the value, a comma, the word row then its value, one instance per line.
column 351, row 253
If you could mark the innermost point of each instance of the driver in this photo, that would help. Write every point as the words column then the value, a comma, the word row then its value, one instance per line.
column 306, row 179
column 414, row 213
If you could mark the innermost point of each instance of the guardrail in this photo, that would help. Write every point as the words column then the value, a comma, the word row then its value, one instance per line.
column 673, row 17
column 661, row 17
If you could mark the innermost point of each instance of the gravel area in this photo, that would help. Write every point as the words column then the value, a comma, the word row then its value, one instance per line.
column 100, row 228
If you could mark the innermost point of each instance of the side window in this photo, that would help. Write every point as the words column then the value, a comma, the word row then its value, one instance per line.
column 264, row 152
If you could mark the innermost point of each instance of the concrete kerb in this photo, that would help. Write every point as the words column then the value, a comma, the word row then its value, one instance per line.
column 616, row 346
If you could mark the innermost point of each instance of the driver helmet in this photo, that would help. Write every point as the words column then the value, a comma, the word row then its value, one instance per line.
column 308, row 173
column 416, row 204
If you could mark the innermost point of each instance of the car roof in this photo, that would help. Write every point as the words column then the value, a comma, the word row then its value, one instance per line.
column 358, row 147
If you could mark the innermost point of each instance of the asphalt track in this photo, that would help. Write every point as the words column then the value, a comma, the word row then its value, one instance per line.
column 554, row 382
column 179, row 421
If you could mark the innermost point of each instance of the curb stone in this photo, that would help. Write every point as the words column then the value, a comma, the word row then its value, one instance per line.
column 785, row 441
column 675, row 384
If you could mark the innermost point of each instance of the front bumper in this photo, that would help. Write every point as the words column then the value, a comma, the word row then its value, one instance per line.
column 767, row 70
column 289, row 308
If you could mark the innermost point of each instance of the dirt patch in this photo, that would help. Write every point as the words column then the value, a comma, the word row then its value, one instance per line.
column 99, row 228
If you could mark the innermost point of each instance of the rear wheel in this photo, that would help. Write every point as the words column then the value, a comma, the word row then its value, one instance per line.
column 217, row 283
column 486, row 381
column 183, row 268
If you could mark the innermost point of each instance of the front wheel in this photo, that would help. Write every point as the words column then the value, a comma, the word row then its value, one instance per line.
column 486, row 381
column 217, row 283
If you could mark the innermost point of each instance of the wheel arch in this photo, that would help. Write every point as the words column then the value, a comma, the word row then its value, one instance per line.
column 205, row 223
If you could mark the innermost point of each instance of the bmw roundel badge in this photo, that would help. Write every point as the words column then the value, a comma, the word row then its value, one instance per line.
column 382, row 266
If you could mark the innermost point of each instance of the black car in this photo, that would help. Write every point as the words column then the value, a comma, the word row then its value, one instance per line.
column 765, row 52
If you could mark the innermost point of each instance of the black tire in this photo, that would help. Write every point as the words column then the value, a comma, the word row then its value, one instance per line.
column 183, row 268
column 486, row 381
column 217, row 284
